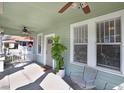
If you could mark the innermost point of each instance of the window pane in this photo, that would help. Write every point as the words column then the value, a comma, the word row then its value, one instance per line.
column 108, row 56
column 80, row 53
column 39, row 44
column 80, row 34
column 102, row 32
column 106, row 32
column 75, row 35
column 97, row 29
column 111, row 29
column 118, row 30
column 86, row 34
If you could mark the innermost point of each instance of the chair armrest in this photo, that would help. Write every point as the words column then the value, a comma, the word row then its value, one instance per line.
column 75, row 76
column 90, row 81
column 74, row 73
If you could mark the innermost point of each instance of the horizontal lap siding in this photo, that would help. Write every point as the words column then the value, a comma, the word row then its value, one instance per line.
column 63, row 30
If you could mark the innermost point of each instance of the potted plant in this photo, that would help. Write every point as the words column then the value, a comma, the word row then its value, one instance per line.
column 57, row 51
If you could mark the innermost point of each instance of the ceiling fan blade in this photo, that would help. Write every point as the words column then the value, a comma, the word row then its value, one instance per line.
column 85, row 7
column 65, row 7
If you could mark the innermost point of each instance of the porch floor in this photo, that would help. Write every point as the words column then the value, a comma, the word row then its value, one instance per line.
column 36, row 84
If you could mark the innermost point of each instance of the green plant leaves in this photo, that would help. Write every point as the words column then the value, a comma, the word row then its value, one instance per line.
column 57, row 50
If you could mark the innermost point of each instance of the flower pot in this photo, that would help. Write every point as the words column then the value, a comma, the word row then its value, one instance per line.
column 53, row 64
column 61, row 73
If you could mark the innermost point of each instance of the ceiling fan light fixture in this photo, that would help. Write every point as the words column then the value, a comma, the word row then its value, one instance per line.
column 25, row 29
column 83, row 4
column 85, row 7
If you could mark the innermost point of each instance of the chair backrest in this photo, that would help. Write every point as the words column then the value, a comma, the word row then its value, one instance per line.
column 110, row 86
column 89, row 73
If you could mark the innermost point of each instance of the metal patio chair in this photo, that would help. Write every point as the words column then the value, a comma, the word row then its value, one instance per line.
column 86, row 79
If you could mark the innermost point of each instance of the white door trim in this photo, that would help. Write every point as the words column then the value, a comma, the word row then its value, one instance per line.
column 45, row 45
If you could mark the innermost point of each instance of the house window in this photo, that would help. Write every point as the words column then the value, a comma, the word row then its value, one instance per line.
column 39, row 43
column 80, row 44
column 108, row 43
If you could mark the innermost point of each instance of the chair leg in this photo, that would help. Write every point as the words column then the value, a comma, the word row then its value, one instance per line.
column 105, row 85
column 69, row 74
column 85, row 84
column 83, row 72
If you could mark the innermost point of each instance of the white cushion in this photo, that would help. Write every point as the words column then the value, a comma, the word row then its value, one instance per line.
column 23, row 77
column 4, row 83
column 54, row 82
column 33, row 71
column 18, row 79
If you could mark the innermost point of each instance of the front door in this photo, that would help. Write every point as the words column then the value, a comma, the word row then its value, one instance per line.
column 48, row 52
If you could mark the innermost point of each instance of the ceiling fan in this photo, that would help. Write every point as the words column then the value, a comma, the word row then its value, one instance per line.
column 83, row 5
column 26, row 31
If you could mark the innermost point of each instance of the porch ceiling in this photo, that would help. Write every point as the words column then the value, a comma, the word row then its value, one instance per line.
column 39, row 16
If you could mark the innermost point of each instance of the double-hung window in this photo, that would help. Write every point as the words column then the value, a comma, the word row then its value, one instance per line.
column 39, row 43
column 80, row 35
column 108, row 43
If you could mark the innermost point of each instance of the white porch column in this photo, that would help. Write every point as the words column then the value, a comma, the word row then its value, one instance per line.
column 2, row 58
column 91, row 44
column 122, row 46
column 1, row 45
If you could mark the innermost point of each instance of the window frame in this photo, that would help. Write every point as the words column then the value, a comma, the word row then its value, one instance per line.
column 72, row 43
column 39, row 35
column 91, row 22
column 110, row 43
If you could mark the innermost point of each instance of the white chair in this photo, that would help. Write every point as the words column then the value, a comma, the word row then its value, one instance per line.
column 18, row 79
column 4, row 83
column 28, row 75
column 54, row 82
column 33, row 71
column 85, row 79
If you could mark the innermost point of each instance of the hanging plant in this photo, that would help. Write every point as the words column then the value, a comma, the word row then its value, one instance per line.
column 57, row 50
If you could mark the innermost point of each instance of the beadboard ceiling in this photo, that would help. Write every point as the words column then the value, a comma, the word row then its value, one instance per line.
column 40, row 16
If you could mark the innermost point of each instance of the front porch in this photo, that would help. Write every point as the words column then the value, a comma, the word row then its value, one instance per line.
column 94, row 40
column 7, row 83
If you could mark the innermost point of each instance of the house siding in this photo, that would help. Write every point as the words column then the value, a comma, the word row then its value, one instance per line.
column 63, row 30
